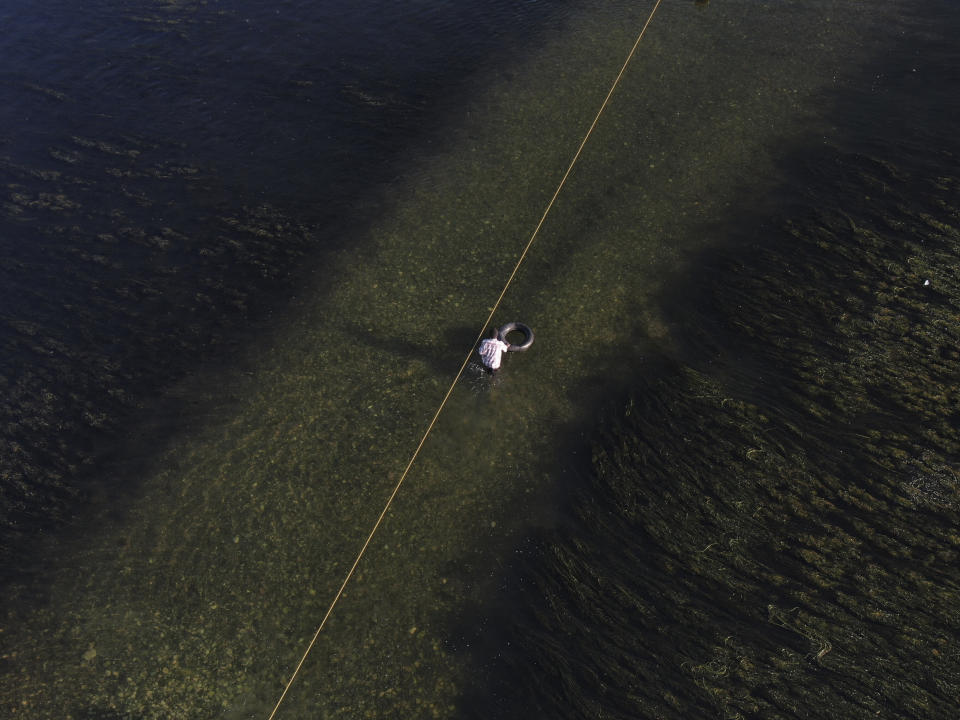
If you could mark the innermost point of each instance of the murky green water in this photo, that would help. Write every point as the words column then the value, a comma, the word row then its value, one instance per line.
column 768, row 524
column 196, row 595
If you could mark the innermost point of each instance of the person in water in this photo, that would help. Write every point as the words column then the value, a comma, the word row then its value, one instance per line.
column 491, row 351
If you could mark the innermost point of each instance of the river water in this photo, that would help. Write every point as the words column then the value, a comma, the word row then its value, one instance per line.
column 246, row 248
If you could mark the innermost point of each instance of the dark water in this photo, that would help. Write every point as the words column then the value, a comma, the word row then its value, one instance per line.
column 761, row 523
column 769, row 524
column 168, row 171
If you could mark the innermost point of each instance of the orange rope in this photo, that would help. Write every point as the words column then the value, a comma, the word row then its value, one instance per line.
column 433, row 421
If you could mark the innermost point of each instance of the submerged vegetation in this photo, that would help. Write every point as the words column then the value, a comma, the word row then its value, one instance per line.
column 770, row 527
column 103, row 259
column 766, row 524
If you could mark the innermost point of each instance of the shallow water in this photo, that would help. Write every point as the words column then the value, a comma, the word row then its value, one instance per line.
column 767, row 526
column 172, row 173
column 196, row 588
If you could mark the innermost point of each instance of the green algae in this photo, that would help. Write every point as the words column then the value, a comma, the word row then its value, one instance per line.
column 768, row 528
column 91, row 354
column 201, row 597
column 743, row 587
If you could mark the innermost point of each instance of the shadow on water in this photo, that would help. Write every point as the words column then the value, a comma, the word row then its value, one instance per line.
column 768, row 524
column 168, row 184
column 439, row 355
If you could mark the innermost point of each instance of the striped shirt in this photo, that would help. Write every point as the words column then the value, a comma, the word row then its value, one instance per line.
column 490, row 351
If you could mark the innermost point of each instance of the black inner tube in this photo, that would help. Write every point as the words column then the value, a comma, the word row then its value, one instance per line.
column 516, row 327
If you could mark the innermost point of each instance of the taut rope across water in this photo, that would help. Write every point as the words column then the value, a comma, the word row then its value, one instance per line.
column 483, row 329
